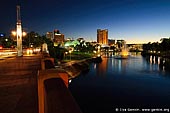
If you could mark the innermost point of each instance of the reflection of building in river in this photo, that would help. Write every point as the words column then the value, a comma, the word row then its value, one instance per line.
column 154, row 60
column 116, row 64
column 120, row 65
column 158, row 63
column 102, row 67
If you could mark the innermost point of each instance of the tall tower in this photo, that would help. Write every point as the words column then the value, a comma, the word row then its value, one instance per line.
column 19, row 32
column 102, row 36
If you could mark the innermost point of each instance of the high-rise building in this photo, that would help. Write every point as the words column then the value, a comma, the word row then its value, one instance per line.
column 58, row 37
column 111, row 42
column 102, row 36
column 50, row 35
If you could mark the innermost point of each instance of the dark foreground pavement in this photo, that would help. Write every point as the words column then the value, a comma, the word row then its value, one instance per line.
column 18, row 84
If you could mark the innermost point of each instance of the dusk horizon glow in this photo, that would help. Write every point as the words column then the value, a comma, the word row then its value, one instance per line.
column 135, row 21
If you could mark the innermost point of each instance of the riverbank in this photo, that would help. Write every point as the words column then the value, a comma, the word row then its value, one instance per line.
column 160, row 54
column 162, row 59
column 74, row 68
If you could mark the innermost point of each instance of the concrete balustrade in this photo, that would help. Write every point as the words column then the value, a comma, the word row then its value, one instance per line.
column 47, row 63
column 53, row 93
column 58, row 98
column 45, row 75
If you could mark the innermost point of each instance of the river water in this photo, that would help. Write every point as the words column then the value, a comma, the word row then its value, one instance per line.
column 134, row 84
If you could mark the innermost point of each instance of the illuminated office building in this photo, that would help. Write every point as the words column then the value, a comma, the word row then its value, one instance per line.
column 102, row 36
column 58, row 37
column 50, row 35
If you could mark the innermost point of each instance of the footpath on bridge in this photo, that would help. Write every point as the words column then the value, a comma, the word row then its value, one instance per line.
column 18, row 84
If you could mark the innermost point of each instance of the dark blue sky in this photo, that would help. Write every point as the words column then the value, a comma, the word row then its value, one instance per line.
column 132, row 20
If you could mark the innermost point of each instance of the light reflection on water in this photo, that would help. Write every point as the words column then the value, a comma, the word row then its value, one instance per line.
column 134, row 82
column 135, row 65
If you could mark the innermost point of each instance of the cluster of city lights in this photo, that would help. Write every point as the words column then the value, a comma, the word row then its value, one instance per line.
column 14, row 33
column 31, row 51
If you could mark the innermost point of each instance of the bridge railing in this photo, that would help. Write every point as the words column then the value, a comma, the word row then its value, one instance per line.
column 53, row 93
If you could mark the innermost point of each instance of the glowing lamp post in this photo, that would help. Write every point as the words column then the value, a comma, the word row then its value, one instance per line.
column 70, row 54
column 19, row 39
column 70, row 51
column 66, row 55
column 19, row 33
column 14, row 33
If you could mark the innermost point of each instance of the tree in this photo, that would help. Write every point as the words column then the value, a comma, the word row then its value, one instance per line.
column 84, row 47
column 33, row 39
column 165, row 44
column 57, row 52
column 155, row 46
column 48, row 41
column 6, row 42
column 147, row 47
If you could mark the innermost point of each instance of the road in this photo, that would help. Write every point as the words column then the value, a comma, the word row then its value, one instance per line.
column 7, row 53
column 18, row 84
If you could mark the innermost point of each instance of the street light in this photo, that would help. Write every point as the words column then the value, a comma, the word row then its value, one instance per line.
column 70, row 54
column 24, row 34
column 70, row 51
column 14, row 33
column 21, row 34
column 66, row 55
column 6, row 39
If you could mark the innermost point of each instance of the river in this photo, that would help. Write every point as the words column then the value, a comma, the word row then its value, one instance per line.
column 133, row 84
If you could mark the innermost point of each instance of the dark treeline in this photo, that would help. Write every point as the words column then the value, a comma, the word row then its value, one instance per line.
column 32, row 39
column 156, row 48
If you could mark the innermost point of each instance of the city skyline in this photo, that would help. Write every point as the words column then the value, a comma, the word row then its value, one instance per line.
column 136, row 21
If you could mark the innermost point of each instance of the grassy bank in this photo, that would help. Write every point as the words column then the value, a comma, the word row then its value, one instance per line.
column 77, row 56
